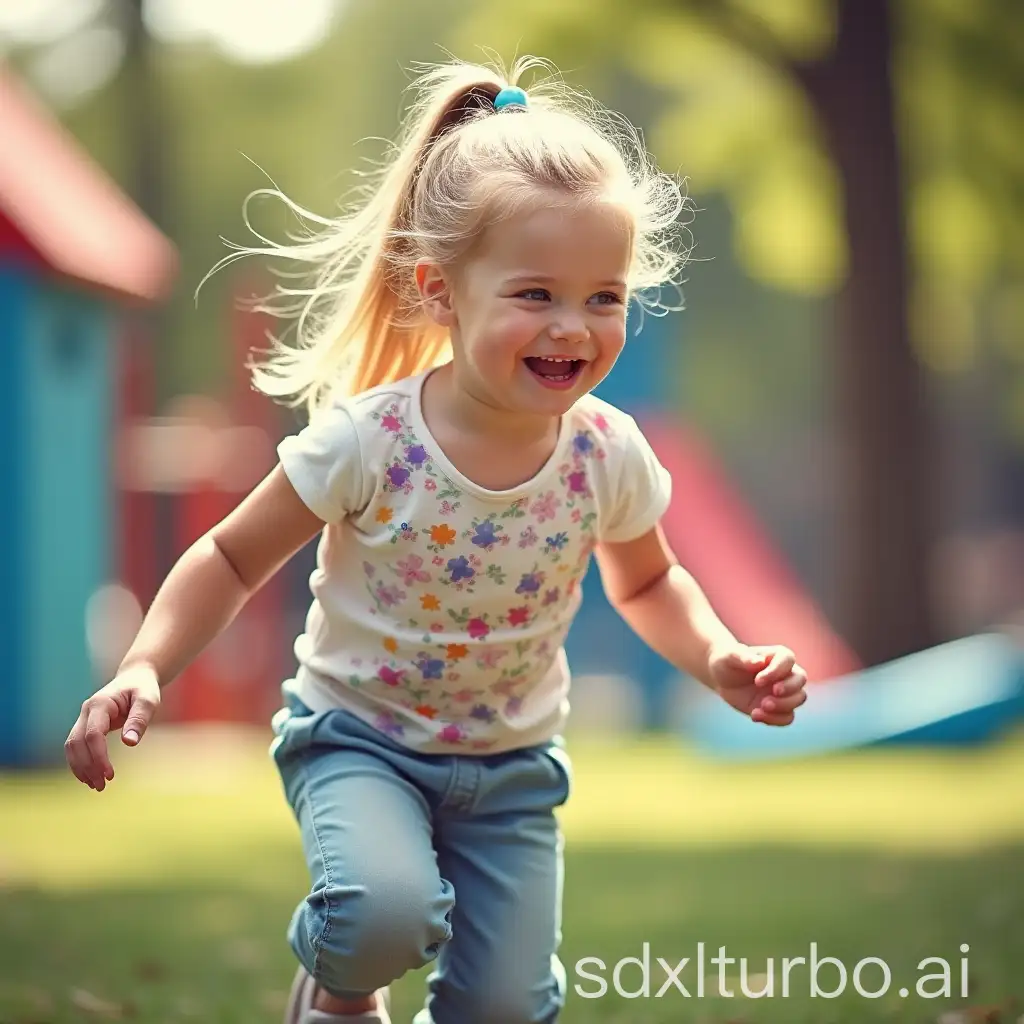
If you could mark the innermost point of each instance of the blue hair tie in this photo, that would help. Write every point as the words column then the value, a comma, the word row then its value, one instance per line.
column 510, row 96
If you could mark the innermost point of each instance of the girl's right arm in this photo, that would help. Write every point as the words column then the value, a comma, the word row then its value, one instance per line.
column 201, row 596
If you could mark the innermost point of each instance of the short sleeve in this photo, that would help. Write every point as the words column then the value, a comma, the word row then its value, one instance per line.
column 323, row 462
column 642, row 492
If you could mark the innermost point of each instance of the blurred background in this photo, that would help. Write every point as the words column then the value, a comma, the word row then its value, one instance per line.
column 841, row 404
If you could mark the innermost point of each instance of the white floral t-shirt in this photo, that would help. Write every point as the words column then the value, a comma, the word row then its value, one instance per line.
column 440, row 608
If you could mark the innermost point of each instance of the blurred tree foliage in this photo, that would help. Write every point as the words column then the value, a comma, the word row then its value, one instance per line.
column 870, row 152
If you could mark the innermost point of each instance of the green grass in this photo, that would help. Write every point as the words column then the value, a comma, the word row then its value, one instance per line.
column 166, row 898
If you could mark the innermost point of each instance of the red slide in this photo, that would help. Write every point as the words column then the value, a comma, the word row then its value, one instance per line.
column 718, row 539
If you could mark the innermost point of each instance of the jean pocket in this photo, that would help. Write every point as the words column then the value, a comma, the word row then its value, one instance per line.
column 291, row 724
column 557, row 755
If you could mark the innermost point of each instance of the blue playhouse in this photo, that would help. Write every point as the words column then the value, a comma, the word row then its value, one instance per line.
column 74, row 256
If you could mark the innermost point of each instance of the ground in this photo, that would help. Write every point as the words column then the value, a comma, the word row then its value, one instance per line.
column 166, row 897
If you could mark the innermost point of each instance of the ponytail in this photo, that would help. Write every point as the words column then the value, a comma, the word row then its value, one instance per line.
column 357, row 325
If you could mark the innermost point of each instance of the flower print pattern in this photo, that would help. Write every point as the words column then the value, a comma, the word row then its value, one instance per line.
column 452, row 733
column 477, row 628
column 412, row 457
column 388, row 596
column 389, row 677
column 472, row 661
column 578, row 482
column 518, row 616
column 517, row 510
column 460, row 569
column 556, row 543
column 441, row 536
column 531, row 583
column 490, row 658
column 528, row 537
column 398, row 478
column 389, row 725
column 410, row 570
column 416, row 455
column 430, row 668
column 545, row 507
column 582, row 443
column 485, row 534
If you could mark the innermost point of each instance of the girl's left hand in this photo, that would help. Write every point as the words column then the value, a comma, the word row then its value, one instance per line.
column 765, row 683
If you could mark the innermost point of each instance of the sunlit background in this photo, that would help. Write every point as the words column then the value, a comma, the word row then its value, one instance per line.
column 841, row 404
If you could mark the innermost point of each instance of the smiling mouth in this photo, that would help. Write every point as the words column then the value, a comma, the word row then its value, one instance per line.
column 554, row 371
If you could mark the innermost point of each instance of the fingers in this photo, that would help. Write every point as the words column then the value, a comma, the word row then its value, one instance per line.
column 138, row 720
column 746, row 659
column 779, row 710
column 793, row 683
column 764, row 718
column 788, row 703
column 86, row 746
column 781, row 665
column 127, row 703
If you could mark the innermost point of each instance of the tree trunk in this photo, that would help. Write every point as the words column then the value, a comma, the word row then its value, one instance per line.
column 887, row 506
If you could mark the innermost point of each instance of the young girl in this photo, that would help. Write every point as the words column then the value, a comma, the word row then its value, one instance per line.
column 460, row 476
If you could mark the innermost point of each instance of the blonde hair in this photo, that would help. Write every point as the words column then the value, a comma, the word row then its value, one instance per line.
column 457, row 166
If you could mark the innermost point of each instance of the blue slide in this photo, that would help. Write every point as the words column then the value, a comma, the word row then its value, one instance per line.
column 966, row 691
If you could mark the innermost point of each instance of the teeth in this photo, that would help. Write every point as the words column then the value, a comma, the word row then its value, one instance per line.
column 556, row 359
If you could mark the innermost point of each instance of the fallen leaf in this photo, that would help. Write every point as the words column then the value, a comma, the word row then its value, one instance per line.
column 89, row 1003
column 994, row 1014
column 987, row 1014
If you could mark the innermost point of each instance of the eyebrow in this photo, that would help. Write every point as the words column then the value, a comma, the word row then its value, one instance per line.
column 545, row 279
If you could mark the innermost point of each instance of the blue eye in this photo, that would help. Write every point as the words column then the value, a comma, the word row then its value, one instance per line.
column 611, row 299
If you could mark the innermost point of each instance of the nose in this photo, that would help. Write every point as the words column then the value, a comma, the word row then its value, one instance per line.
column 569, row 327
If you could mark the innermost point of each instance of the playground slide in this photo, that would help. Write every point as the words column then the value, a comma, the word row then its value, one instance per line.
column 964, row 691
column 718, row 539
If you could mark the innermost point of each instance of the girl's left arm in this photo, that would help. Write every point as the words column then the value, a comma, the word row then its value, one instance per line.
column 666, row 608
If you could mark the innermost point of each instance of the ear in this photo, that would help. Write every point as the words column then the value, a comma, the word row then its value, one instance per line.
column 435, row 293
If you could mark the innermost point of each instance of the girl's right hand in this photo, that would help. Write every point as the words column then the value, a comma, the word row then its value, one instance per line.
column 128, row 702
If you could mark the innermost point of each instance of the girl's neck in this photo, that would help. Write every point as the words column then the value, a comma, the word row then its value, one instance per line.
column 490, row 446
column 472, row 415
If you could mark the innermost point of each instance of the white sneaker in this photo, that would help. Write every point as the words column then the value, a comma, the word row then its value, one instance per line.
column 300, row 1005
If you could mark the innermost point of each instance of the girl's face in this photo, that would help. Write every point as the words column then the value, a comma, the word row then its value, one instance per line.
column 537, row 315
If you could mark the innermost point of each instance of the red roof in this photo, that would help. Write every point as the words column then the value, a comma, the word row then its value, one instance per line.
column 63, row 209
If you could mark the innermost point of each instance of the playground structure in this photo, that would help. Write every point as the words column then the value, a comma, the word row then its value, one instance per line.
column 189, row 469
column 75, row 257
column 962, row 692
column 107, row 491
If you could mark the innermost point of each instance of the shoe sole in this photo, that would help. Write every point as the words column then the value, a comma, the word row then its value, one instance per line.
column 300, row 999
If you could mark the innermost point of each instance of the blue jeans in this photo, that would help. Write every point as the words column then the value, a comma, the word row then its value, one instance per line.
column 415, row 858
